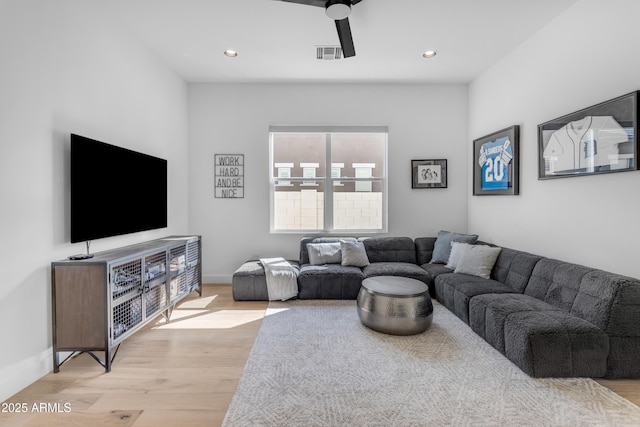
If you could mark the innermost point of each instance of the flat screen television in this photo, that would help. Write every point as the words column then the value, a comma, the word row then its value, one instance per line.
column 114, row 190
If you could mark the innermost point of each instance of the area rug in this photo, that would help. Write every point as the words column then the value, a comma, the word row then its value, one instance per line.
column 314, row 364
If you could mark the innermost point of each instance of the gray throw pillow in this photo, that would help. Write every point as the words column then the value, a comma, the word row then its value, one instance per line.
column 324, row 253
column 457, row 251
column 478, row 260
column 354, row 253
column 442, row 246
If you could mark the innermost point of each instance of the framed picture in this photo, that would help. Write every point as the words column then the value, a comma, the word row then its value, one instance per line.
column 429, row 173
column 598, row 139
column 229, row 176
column 496, row 159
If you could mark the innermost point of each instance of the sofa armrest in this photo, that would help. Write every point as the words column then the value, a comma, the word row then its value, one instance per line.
column 611, row 302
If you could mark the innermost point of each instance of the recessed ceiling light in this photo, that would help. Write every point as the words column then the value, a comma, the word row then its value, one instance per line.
column 429, row 54
column 231, row 53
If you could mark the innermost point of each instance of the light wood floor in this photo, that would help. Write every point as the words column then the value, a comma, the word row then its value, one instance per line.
column 181, row 373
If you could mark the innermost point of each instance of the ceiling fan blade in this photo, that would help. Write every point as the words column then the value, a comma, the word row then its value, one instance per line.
column 319, row 3
column 346, row 41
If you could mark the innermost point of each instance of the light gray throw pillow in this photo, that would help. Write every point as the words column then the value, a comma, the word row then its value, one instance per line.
column 442, row 246
column 324, row 253
column 478, row 260
column 457, row 251
column 354, row 253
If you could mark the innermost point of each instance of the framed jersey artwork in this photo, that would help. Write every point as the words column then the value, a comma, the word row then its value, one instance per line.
column 598, row 139
column 496, row 163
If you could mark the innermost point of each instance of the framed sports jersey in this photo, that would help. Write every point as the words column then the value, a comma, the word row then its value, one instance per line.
column 599, row 139
column 496, row 159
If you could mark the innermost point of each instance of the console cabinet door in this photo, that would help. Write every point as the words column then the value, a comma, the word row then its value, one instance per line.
column 126, row 295
column 156, row 295
column 79, row 304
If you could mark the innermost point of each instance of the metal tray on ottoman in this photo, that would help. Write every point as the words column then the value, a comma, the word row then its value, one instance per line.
column 395, row 305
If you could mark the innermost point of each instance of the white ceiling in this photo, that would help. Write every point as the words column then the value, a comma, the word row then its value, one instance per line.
column 277, row 40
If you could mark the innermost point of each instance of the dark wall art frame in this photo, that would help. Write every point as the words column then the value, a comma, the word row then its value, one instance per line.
column 430, row 173
column 496, row 163
column 599, row 139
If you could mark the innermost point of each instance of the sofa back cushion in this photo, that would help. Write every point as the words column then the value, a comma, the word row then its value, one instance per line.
column 424, row 249
column 390, row 249
column 607, row 300
column 304, row 254
column 514, row 268
column 556, row 282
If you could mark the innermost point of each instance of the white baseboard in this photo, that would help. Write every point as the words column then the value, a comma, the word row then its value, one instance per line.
column 19, row 375
column 216, row 279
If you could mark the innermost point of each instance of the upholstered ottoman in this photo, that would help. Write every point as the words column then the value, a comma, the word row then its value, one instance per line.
column 249, row 282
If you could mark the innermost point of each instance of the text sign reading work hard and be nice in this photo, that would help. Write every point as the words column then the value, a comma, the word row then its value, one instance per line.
column 229, row 176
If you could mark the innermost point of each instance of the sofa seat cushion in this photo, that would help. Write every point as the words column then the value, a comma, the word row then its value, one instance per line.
column 543, row 340
column 433, row 271
column 489, row 312
column 555, row 343
column 330, row 281
column 454, row 290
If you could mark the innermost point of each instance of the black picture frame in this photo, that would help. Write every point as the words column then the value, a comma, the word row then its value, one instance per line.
column 496, row 163
column 429, row 173
column 599, row 139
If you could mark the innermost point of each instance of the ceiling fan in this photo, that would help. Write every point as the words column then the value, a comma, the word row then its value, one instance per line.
column 339, row 11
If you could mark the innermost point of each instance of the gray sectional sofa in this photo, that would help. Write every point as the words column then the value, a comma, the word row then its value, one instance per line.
column 388, row 256
column 550, row 318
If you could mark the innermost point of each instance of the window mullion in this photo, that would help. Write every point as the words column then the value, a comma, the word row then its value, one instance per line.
column 328, row 186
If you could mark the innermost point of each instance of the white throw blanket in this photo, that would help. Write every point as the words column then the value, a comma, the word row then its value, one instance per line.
column 282, row 278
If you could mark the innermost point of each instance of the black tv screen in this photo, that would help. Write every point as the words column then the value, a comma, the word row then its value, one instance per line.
column 114, row 190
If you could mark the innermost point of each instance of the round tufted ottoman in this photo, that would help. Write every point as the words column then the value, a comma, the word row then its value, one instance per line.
column 395, row 305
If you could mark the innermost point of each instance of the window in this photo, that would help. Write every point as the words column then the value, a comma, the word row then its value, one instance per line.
column 335, row 179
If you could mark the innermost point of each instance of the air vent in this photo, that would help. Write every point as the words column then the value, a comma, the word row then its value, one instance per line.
column 329, row 52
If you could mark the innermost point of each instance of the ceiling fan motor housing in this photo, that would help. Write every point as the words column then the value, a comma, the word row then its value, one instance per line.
column 338, row 9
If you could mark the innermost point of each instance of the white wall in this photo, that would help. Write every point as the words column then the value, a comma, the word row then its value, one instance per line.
column 67, row 67
column 585, row 56
column 425, row 122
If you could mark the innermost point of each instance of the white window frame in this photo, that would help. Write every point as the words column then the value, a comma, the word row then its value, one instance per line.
column 330, row 180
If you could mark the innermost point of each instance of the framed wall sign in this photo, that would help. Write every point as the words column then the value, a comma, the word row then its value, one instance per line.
column 598, row 139
column 229, row 176
column 429, row 173
column 496, row 163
